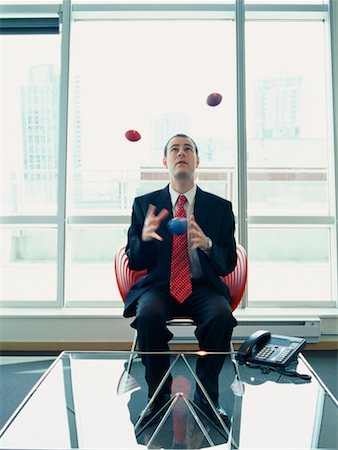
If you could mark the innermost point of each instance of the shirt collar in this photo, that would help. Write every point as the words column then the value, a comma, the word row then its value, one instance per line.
column 190, row 195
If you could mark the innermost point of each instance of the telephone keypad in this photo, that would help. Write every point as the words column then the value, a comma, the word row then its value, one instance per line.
column 280, row 354
column 265, row 352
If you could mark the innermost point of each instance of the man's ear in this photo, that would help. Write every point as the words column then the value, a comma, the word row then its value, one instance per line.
column 197, row 162
column 165, row 162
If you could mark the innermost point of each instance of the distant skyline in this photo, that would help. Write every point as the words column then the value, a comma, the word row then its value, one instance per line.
column 278, row 117
column 162, row 95
column 109, row 108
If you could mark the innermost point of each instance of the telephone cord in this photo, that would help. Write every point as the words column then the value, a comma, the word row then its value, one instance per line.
column 289, row 373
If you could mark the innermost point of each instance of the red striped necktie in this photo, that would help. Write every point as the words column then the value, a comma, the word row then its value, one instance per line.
column 180, row 281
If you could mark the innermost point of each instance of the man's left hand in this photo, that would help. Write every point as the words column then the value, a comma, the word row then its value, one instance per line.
column 196, row 236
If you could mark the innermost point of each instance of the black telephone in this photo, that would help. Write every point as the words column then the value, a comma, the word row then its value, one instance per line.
column 272, row 350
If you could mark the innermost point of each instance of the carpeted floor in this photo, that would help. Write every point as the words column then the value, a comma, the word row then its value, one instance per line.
column 18, row 374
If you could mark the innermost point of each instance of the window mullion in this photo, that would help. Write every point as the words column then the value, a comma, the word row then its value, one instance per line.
column 241, row 130
column 62, row 166
column 333, row 15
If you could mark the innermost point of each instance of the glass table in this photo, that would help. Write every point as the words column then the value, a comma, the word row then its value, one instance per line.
column 94, row 400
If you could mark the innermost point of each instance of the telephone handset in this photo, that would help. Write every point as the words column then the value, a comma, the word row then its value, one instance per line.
column 273, row 350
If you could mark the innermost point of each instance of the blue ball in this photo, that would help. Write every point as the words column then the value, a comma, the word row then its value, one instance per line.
column 177, row 225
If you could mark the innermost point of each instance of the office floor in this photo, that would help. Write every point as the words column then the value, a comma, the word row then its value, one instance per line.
column 18, row 374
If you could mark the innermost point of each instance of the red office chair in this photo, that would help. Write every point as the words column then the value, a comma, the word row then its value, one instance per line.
column 236, row 281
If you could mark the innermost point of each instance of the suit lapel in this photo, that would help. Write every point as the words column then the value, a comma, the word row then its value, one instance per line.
column 202, row 208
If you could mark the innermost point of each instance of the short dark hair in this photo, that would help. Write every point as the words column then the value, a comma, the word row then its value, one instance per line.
column 182, row 136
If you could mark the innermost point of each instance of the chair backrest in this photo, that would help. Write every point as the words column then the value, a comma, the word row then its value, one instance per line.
column 236, row 280
column 125, row 277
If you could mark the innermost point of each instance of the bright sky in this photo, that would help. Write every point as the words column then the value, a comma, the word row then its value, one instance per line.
column 134, row 75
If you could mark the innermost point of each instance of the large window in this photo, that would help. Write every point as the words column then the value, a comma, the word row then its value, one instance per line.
column 30, row 80
column 156, row 84
column 69, row 174
column 290, row 176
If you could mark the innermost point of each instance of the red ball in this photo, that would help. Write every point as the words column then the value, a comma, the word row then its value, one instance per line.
column 132, row 135
column 214, row 99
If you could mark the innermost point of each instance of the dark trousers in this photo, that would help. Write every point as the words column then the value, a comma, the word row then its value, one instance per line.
column 214, row 321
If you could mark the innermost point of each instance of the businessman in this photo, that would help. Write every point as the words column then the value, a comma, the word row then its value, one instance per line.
column 183, row 273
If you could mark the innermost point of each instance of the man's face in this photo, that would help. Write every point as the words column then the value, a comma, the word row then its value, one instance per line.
column 181, row 159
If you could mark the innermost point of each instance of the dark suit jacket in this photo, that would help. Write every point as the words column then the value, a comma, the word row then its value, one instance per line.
column 212, row 213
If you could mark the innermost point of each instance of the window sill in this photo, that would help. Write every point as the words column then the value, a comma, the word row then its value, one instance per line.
column 62, row 312
column 87, row 328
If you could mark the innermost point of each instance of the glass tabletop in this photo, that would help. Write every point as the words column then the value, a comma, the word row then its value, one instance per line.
column 95, row 399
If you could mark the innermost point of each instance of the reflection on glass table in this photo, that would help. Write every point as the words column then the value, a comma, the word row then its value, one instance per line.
column 95, row 399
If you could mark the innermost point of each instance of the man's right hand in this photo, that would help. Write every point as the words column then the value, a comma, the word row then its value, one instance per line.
column 152, row 222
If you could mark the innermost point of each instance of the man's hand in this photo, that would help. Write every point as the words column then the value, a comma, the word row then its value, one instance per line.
column 151, row 224
column 197, row 238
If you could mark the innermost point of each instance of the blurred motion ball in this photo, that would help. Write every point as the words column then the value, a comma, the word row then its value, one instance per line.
column 177, row 225
column 132, row 135
column 214, row 99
